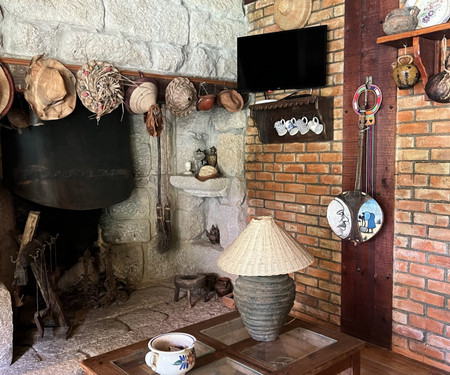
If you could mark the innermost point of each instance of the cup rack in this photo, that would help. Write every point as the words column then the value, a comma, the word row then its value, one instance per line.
column 266, row 114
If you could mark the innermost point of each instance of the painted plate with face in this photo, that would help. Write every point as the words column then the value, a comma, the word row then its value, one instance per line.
column 339, row 218
column 370, row 219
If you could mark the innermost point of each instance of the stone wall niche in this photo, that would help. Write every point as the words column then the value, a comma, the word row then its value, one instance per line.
column 219, row 202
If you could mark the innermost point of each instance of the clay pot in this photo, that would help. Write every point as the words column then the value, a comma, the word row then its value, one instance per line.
column 401, row 20
column 206, row 102
column 223, row 286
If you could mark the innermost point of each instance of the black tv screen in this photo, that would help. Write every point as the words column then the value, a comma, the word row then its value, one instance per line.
column 292, row 59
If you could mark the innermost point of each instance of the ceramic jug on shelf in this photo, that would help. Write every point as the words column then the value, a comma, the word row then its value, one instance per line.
column 401, row 20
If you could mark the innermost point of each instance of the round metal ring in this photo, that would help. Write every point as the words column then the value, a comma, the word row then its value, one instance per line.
column 378, row 98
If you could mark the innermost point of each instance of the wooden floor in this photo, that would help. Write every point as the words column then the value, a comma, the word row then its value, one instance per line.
column 379, row 361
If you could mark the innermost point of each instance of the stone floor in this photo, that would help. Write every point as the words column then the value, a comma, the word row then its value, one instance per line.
column 147, row 312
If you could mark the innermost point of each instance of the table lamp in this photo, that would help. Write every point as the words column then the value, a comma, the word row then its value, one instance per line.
column 263, row 255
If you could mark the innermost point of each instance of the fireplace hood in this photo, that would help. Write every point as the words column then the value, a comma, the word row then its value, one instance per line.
column 71, row 163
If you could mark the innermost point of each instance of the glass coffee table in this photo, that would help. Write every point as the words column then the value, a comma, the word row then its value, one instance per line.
column 224, row 347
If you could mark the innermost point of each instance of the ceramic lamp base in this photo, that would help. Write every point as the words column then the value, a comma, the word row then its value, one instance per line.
column 264, row 303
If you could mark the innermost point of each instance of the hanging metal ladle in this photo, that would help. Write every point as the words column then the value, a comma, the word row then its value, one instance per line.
column 355, row 215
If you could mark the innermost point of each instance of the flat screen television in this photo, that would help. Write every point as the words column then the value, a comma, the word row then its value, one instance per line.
column 292, row 59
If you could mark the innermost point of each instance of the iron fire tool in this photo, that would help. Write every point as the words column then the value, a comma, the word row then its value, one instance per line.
column 355, row 215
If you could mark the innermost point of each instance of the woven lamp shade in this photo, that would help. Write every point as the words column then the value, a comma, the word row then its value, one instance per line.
column 264, row 248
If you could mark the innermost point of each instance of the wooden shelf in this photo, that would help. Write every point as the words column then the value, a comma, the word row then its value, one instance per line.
column 18, row 69
column 426, row 47
column 266, row 114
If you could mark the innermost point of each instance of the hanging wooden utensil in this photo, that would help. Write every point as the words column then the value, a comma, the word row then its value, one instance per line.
column 355, row 215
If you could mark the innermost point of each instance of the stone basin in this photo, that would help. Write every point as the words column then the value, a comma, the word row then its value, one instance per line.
column 214, row 187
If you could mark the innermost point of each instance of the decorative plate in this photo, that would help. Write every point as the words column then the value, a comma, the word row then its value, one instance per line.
column 432, row 12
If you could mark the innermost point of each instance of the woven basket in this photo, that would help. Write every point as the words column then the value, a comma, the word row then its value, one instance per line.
column 181, row 96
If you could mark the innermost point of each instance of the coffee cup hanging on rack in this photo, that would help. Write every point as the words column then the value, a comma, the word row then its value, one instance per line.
column 355, row 215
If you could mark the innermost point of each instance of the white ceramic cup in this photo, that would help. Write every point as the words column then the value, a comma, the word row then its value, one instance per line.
column 291, row 126
column 280, row 127
column 315, row 125
column 302, row 125
column 171, row 353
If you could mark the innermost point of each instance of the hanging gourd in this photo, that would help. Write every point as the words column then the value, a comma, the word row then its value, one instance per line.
column 438, row 86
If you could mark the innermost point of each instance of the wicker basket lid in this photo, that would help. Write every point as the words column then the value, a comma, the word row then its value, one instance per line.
column 181, row 96
column 292, row 14
column 264, row 248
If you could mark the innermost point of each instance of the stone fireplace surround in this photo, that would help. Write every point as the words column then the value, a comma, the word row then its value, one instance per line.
column 116, row 32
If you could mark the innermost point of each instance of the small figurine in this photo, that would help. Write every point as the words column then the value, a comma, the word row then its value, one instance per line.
column 214, row 235
column 200, row 158
column 212, row 157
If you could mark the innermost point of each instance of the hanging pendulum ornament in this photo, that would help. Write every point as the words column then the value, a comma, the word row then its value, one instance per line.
column 355, row 215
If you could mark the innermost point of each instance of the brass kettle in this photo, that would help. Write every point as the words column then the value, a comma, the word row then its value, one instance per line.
column 405, row 73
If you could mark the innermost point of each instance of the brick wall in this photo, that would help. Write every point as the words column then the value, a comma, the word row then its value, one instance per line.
column 295, row 182
column 421, row 327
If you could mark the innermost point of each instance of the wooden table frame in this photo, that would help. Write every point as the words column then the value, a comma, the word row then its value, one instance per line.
column 343, row 354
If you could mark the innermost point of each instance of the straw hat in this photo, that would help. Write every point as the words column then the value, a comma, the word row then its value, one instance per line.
column 181, row 96
column 263, row 249
column 231, row 100
column 141, row 95
column 292, row 14
column 99, row 87
column 6, row 90
column 50, row 88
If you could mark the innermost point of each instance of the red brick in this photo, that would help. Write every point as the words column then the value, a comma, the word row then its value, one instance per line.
column 412, row 128
column 402, row 241
column 408, row 205
column 429, row 245
column 253, row 148
column 305, row 158
column 403, row 217
column 265, row 157
column 319, row 232
column 439, row 342
column 256, row 202
column 440, row 181
column 307, row 178
column 264, row 212
column 331, row 179
column 307, row 219
column 426, row 297
column 334, row 288
column 254, row 166
column 275, row 186
column 439, row 260
column 413, row 230
column 408, row 305
column 317, row 146
column 295, row 147
column 411, row 255
column 295, row 207
column 407, row 279
column 285, row 197
column 318, row 189
column 439, row 314
column 426, row 350
column 439, row 154
column 431, row 194
column 433, row 141
column 255, row 185
column 317, row 168
column 400, row 291
column 426, row 324
column 400, row 266
column 264, row 194
column 274, row 205
column 294, row 168
column 294, row 188
column 284, row 177
column 272, row 147
column 307, row 280
column 406, row 331
column 331, row 157
column 273, row 167
column 426, row 271
column 330, row 266
column 440, row 208
column 412, row 180
column 438, row 286
column 432, row 168
column 264, row 176
column 439, row 234
column 307, row 240
column 307, row 199
column 285, row 216
column 318, row 293
column 284, row 158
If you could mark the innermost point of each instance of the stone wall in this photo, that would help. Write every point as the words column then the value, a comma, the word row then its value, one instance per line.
column 193, row 38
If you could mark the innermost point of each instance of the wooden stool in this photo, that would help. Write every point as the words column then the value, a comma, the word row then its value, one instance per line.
column 189, row 282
